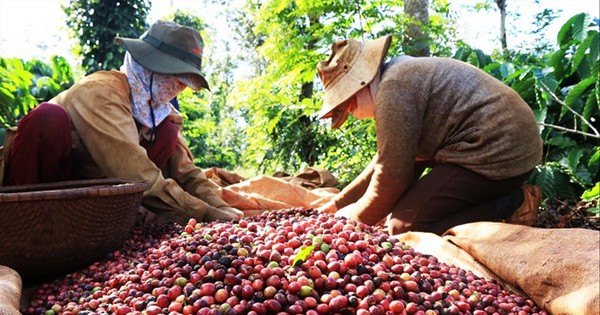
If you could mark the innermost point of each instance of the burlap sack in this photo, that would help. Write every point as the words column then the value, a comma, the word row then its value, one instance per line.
column 270, row 193
column 221, row 177
column 556, row 268
column 10, row 291
column 310, row 178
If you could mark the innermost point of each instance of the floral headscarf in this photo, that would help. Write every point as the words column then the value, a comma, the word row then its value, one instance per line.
column 164, row 88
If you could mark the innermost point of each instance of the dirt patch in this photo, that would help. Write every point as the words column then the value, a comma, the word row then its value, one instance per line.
column 569, row 214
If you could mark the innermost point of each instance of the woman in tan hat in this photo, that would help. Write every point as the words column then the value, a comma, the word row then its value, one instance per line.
column 478, row 136
column 121, row 124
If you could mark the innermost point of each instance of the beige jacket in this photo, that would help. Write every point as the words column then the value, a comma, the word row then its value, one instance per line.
column 448, row 112
column 106, row 144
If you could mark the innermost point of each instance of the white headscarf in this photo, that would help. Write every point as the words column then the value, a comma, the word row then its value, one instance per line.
column 164, row 88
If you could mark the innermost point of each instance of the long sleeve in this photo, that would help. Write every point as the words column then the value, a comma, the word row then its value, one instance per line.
column 100, row 112
column 191, row 177
column 398, row 126
column 356, row 189
column 445, row 112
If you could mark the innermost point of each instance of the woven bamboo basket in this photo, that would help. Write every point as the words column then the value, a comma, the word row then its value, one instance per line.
column 55, row 228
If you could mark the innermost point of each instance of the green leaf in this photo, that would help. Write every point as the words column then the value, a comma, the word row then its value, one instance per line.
column 462, row 54
column 575, row 93
column 594, row 210
column 543, row 177
column 525, row 88
column 593, row 46
column 562, row 142
column 595, row 159
column 557, row 62
column 590, row 108
column 573, row 158
column 592, row 193
column 582, row 175
column 482, row 58
column 580, row 23
column 572, row 29
column 302, row 255
column 492, row 67
column 6, row 93
column 540, row 116
column 581, row 51
column 516, row 74
column 508, row 71
column 563, row 185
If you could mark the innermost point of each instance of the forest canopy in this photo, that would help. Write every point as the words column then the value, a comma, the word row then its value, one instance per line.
column 265, row 120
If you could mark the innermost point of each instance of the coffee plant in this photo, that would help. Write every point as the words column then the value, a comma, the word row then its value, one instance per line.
column 23, row 85
column 15, row 94
column 96, row 23
column 562, row 88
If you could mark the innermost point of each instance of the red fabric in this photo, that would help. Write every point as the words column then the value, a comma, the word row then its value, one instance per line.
column 164, row 144
column 41, row 149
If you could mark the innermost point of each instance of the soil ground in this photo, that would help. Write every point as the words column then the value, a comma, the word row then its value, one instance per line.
column 569, row 214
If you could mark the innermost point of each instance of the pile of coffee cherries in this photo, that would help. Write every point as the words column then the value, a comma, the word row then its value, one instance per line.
column 294, row 261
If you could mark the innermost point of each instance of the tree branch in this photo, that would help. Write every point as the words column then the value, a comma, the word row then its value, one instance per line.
column 569, row 130
column 594, row 135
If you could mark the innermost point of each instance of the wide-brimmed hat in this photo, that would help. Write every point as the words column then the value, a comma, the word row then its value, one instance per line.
column 351, row 66
column 168, row 48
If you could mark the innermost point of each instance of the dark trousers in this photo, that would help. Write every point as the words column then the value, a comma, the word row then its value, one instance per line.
column 450, row 195
column 41, row 150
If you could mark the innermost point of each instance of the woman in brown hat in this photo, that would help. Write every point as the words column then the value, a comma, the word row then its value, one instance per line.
column 478, row 136
column 121, row 124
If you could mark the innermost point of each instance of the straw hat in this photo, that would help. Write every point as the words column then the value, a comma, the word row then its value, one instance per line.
column 351, row 66
column 169, row 48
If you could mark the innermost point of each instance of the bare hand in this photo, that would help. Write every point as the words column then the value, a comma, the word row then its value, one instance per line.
column 238, row 213
column 328, row 207
column 353, row 212
column 348, row 212
column 222, row 213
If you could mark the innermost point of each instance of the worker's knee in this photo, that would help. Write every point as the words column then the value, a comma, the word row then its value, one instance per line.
column 49, row 115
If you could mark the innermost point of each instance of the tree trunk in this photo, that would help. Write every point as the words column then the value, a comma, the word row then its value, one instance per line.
column 502, row 7
column 309, row 144
column 416, row 35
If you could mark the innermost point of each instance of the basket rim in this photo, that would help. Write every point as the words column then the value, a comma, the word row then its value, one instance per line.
column 103, row 187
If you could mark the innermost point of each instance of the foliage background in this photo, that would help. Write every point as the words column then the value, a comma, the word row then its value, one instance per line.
column 265, row 122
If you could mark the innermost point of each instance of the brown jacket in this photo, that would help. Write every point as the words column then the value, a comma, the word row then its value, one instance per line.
column 106, row 144
column 448, row 112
